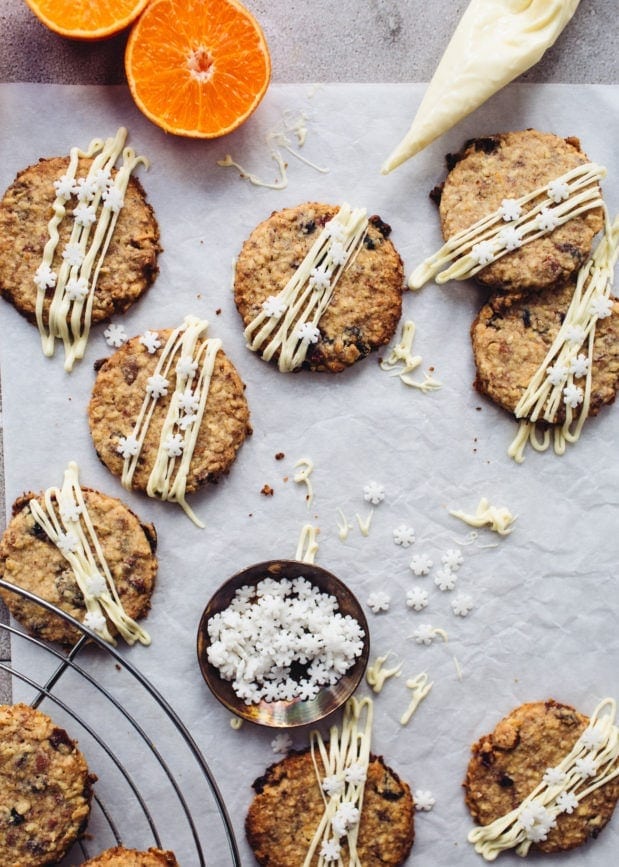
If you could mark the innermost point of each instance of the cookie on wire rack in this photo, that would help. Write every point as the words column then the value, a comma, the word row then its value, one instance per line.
column 121, row 857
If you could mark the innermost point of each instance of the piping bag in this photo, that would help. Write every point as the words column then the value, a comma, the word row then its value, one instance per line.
column 495, row 42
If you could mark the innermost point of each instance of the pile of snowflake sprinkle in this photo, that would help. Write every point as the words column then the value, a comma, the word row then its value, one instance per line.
column 282, row 639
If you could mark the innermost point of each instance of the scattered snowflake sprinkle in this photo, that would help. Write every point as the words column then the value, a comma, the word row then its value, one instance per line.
column 128, row 447
column 150, row 339
column 115, row 335
column 44, row 277
column 558, row 191
column 601, row 307
column 76, row 288
column 420, row 564
column 424, row 634
column 67, row 542
column 64, row 186
column 94, row 620
column 510, row 238
column 573, row 395
column 95, row 585
column 379, row 601
column 483, row 252
column 85, row 215
column 567, row 802
column 557, row 374
column 174, row 445
column 274, row 306
column 373, row 493
column 445, row 579
column 70, row 511
column 554, row 777
column 546, row 220
column 424, row 799
column 186, row 366
column 575, row 334
column 462, row 604
column 404, row 536
column 157, row 385
column 307, row 331
column 593, row 737
column 281, row 743
column 338, row 253
column 452, row 559
column 84, row 189
column 188, row 401
column 319, row 279
column 417, row 598
column 580, row 365
column 510, row 210
column 332, row 784
column 585, row 767
column 355, row 774
column 113, row 198
column 330, row 850
column 73, row 255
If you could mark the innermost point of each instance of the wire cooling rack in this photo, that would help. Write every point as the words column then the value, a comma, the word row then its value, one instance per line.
column 154, row 787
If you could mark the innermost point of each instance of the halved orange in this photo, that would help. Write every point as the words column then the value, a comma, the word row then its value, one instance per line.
column 87, row 19
column 197, row 68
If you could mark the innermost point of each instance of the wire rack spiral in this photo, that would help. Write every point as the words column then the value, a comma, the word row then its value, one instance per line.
column 154, row 787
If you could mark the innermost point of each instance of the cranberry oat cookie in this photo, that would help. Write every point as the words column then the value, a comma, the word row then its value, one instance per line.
column 507, row 166
column 366, row 302
column 46, row 788
column 289, row 805
column 121, row 857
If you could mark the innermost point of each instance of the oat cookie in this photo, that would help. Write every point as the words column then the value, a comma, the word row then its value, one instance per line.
column 117, row 399
column 511, row 342
column 509, row 763
column 288, row 806
column 366, row 304
column 121, row 857
column 130, row 265
column 508, row 166
column 29, row 559
column 46, row 788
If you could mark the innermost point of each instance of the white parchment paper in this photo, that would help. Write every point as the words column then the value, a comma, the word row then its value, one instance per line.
column 544, row 621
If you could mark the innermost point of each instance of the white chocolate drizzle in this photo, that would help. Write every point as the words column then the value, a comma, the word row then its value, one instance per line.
column 377, row 673
column 489, row 239
column 289, row 321
column 420, row 686
column 101, row 198
column 401, row 361
column 592, row 762
column 194, row 354
column 345, row 764
column 496, row 518
column 343, row 525
column 307, row 547
column 68, row 525
column 557, row 379
column 302, row 476
column 364, row 523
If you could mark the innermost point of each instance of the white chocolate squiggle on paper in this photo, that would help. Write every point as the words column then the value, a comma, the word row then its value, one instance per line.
column 401, row 361
column 592, row 762
column 67, row 524
column 499, row 233
column 421, row 686
column 101, row 198
column 496, row 518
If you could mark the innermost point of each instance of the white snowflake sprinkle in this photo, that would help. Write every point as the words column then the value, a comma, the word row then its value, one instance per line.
column 483, row 252
column 95, row 585
column 379, row 601
column 335, row 230
column 84, row 189
column 575, row 334
column 546, row 220
column 355, row 774
column 373, row 493
column 319, row 279
column 85, row 215
column 67, row 542
column 558, row 191
column 70, row 511
column 187, row 401
column 462, row 604
column 76, row 288
column 417, row 598
column 452, row 559
column 64, row 187
column 115, row 335
column 593, row 736
column 338, row 253
column 554, row 777
column 580, row 365
column 73, row 255
column 510, row 210
column 128, row 446
column 186, row 366
column 445, row 579
column 424, row 800
column 567, row 802
column 274, row 307
column 346, row 817
column 281, row 743
column 113, row 198
column 100, row 179
column 330, row 850
column 157, row 385
column 187, row 420
column 557, row 374
column 420, row 565
column 573, row 395
column 404, row 536
column 536, row 821
column 510, row 238
column 601, row 307
column 424, row 634
column 150, row 339
column 332, row 784
column 44, row 277
column 95, row 621
column 308, row 332
column 174, row 445
column 585, row 767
